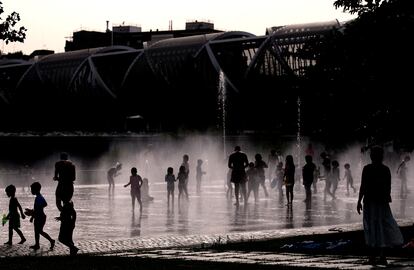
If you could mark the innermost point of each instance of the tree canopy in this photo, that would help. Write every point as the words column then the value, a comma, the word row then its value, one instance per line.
column 9, row 32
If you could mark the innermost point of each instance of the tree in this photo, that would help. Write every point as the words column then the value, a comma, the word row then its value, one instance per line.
column 358, row 6
column 8, row 29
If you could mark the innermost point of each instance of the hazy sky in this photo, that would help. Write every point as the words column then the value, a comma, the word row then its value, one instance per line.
column 50, row 21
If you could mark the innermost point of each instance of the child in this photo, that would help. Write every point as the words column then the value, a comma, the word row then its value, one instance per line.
column 182, row 182
column 279, row 179
column 199, row 174
column 260, row 166
column 38, row 216
column 170, row 179
column 335, row 177
column 252, row 182
column 349, row 179
column 13, row 216
column 145, row 191
column 67, row 225
column 136, row 182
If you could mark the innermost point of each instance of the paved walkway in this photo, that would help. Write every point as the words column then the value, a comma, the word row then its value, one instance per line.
column 187, row 248
column 281, row 260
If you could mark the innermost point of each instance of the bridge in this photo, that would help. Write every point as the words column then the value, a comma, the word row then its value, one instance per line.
column 189, row 82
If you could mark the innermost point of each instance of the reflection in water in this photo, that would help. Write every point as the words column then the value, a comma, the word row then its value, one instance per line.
column 136, row 225
column 403, row 203
column 289, row 218
column 100, row 218
column 349, row 207
column 169, row 221
column 183, row 217
column 307, row 221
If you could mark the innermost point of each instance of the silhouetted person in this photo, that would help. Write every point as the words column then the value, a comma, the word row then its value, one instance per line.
column 237, row 163
column 136, row 182
column 67, row 220
column 145, row 197
column 308, row 172
column 229, row 185
column 111, row 174
column 26, row 174
column 182, row 185
column 289, row 178
column 380, row 228
column 335, row 177
column 326, row 171
column 65, row 174
column 309, row 151
column 349, row 179
column 252, row 182
column 199, row 174
column 402, row 174
column 186, row 165
column 13, row 215
column 170, row 179
column 260, row 166
column 38, row 217
column 279, row 174
column 272, row 162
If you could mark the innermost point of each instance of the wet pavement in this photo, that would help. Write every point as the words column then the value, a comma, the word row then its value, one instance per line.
column 103, row 217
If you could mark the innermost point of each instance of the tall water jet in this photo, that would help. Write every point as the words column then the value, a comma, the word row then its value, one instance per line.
column 299, row 135
column 221, row 101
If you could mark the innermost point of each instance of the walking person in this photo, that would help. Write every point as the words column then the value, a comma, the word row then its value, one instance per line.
column 65, row 174
column 380, row 228
column 238, row 162
column 38, row 216
column 349, row 179
column 260, row 166
column 13, row 216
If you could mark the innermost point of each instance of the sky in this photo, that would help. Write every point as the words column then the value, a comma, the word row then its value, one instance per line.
column 50, row 22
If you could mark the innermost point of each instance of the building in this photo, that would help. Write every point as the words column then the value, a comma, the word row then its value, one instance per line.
column 132, row 36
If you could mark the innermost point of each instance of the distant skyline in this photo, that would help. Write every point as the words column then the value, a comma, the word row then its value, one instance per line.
column 51, row 22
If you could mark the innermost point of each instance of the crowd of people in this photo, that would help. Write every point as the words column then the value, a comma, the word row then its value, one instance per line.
column 243, row 179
